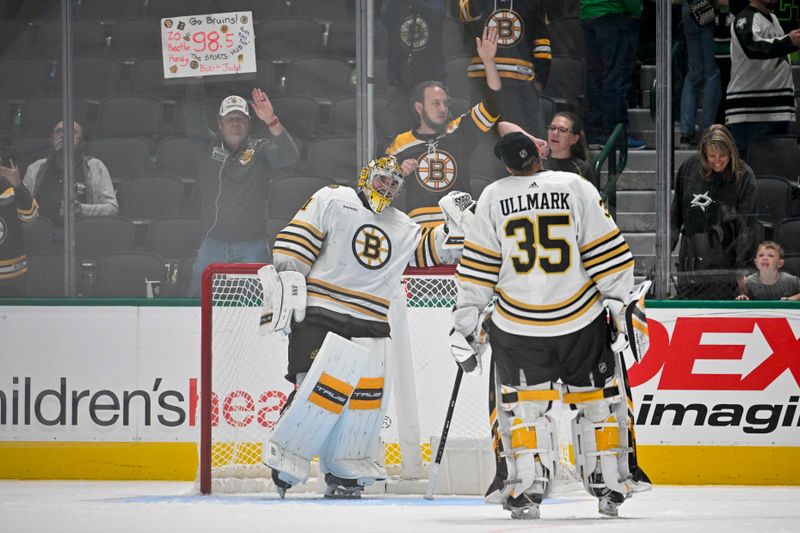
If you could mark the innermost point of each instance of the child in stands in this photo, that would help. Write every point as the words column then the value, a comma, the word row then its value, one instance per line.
column 769, row 283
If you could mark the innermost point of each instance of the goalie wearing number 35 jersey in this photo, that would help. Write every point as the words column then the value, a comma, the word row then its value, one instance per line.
column 543, row 243
column 548, row 239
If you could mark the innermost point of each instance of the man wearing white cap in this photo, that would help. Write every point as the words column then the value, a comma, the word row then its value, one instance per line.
column 233, row 182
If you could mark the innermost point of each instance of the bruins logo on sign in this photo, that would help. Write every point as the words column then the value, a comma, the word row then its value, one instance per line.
column 436, row 171
column 371, row 246
column 509, row 27
column 414, row 33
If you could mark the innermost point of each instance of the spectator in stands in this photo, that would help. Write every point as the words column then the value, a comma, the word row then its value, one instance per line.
column 703, row 74
column 769, row 283
column 16, row 206
column 94, row 192
column 760, row 96
column 611, row 31
column 523, row 56
column 568, row 148
column 435, row 154
column 415, row 51
column 233, row 184
column 726, row 14
column 714, row 211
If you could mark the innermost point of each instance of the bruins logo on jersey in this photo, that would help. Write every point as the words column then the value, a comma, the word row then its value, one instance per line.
column 371, row 246
column 509, row 27
column 436, row 171
column 3, row 230
column 414, row 33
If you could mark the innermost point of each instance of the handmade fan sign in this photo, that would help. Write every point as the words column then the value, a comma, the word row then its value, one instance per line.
column 208, row 45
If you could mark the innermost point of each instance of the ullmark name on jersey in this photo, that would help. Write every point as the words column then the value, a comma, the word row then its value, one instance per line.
column 535, row 200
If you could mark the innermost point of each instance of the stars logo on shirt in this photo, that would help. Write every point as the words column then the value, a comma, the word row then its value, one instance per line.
column 702, row 200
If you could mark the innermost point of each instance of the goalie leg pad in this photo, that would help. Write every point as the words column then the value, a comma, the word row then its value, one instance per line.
column 602, row 436
column 352, row 448
column 319, row 402
column 528, row 442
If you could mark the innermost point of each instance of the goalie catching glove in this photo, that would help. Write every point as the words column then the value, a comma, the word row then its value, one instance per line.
column 458, row 209
column 284, row 296
column 468, row 339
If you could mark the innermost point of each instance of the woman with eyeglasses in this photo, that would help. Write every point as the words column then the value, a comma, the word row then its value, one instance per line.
column 568, row 148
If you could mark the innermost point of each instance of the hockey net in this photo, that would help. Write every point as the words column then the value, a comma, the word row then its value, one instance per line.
column 243, row 386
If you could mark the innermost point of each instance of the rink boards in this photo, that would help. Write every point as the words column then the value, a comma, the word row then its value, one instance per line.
column 109, row 391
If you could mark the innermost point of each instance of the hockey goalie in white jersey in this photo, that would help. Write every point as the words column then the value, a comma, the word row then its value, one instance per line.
column 336, row 266
column 543, row 243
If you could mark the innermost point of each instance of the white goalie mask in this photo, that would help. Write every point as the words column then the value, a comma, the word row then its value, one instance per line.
column 380, row 182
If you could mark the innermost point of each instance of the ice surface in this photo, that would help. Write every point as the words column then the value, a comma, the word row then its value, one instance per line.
column 154, row 507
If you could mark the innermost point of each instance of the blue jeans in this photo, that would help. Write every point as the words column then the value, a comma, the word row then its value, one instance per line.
column 703, row 74
column 610, row 57
column 745, row 133
column 221, row 251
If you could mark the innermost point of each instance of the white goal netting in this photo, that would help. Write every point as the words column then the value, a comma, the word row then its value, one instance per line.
column 248, row 387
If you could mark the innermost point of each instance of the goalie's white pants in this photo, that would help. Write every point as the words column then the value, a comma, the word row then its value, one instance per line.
column 529, row 441
column 400, row 366
column 336, row 413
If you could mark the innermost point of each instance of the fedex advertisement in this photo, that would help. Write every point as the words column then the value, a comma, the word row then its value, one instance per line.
column 727, row 376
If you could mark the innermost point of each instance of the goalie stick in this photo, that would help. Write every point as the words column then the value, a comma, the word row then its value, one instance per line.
column 437, row 463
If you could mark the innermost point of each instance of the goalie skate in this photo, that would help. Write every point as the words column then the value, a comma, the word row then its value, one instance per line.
column 342, row 489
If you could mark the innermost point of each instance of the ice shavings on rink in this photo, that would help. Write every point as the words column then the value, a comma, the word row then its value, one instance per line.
column 154, row 507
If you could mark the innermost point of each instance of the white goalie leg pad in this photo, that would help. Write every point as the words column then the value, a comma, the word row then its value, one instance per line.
column 352, row 448
column 529, row 441
column 600, row 436
column 319, row 402
column 284, row 296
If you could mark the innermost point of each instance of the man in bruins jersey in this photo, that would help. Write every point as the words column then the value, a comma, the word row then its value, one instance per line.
column 542, row 242
column 17, row 206
column 523, row 56
column 439, row 149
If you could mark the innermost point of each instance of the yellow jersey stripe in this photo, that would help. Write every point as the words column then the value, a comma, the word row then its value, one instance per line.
column 297, row 239
column 469, row 245
column 600, row 240
column 357, row 294
column 292, row 254
column 550, row 307
column 313, row 230
column 352, row 306
column 620, row 248
column 477, row 266
column 624, row 266
column 549, row 322
column 476, row 281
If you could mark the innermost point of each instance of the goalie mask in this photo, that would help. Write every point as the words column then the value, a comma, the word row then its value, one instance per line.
column 380, row 182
